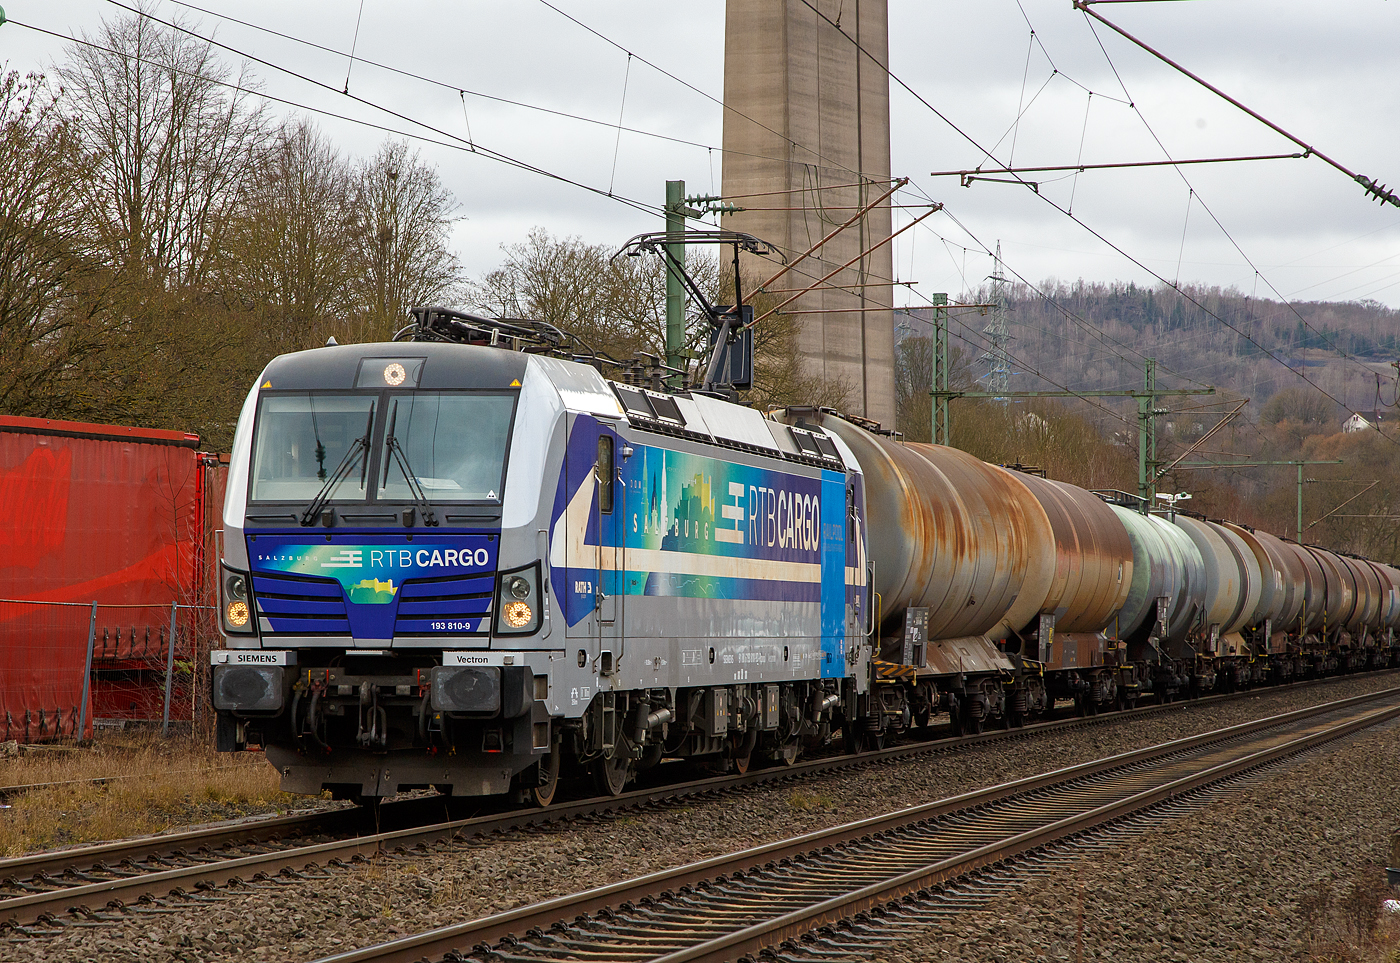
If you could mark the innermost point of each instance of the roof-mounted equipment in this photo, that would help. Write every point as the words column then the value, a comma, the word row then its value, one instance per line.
column 730, row 365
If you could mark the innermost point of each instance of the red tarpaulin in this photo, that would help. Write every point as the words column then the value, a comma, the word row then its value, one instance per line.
column 91, row 513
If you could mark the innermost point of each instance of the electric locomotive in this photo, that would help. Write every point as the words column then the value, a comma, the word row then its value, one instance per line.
column 447, row 564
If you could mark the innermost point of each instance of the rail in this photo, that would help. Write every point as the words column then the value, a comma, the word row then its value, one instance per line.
column 717, row 897
column 55, row 882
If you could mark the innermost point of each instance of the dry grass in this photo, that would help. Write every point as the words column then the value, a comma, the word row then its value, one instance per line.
column 1344, row 922
column 803, row 801
column 163, row 784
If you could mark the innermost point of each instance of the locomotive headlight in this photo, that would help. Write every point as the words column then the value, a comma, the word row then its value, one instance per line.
column 517, row 614
column 237, row 614
column 517, row 601
column 236, row 587
column 236, row 608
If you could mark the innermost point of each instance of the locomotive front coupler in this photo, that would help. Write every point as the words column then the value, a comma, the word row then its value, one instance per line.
column 375, row 735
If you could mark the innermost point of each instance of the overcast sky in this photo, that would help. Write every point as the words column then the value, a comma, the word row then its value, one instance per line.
column 1328, row 72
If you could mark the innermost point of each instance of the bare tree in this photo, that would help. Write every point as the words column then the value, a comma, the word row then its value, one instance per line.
column 48, row 285
column 913, row 384
column 403, row 219
column 173, row 141
column 289, row 254
column 615, row 305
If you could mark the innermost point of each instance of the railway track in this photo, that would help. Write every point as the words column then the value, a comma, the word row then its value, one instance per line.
column 734, row 906
column 41, row 893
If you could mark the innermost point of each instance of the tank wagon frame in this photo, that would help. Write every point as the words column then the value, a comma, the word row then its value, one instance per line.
column 468, row 561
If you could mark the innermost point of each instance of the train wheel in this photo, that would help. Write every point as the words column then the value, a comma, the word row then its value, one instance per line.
column 974, row 722
column 610, row 773
column 543, row 794
column 874, row 741
column 955, row 716
column 741, row 752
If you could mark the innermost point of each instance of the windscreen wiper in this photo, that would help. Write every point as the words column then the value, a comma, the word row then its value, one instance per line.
column 359, row 448
column 415, row 489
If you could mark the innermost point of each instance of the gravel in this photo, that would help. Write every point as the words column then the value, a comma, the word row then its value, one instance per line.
column 1273, row 873
column 1209, row 862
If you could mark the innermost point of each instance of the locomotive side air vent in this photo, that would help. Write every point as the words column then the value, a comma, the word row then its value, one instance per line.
column 806, row 442
column 815, row 445
column 827, row 449
column 666, row 408
column 635, row 402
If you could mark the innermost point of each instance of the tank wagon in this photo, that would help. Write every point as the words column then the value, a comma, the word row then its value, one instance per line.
column 451, row 564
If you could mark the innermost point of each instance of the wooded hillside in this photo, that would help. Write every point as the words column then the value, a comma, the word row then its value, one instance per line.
column 1095, row 337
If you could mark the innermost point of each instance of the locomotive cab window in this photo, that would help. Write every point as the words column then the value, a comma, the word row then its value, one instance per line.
column 453, row 444
column 604, row 468
column 303, row 438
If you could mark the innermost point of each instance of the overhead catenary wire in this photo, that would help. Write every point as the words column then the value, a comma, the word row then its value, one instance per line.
column 966, row 136
column 1097, row 234
column 455, row 143
column 1051, row 60
column 708, row 96
column 1131, row 103
column 476, row 148
column 508, row 160
column 353, row 44
column 1232, row 327
column 1020, row 364
column 463, row 92
column 617, row 146
column 1078, row 167
column 1085, row 325
column 805, row 190
column 468, row 143
column 1206, row 207
column 1372, row 188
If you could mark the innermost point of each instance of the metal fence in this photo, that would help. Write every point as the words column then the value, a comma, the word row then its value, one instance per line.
column 67, row 668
